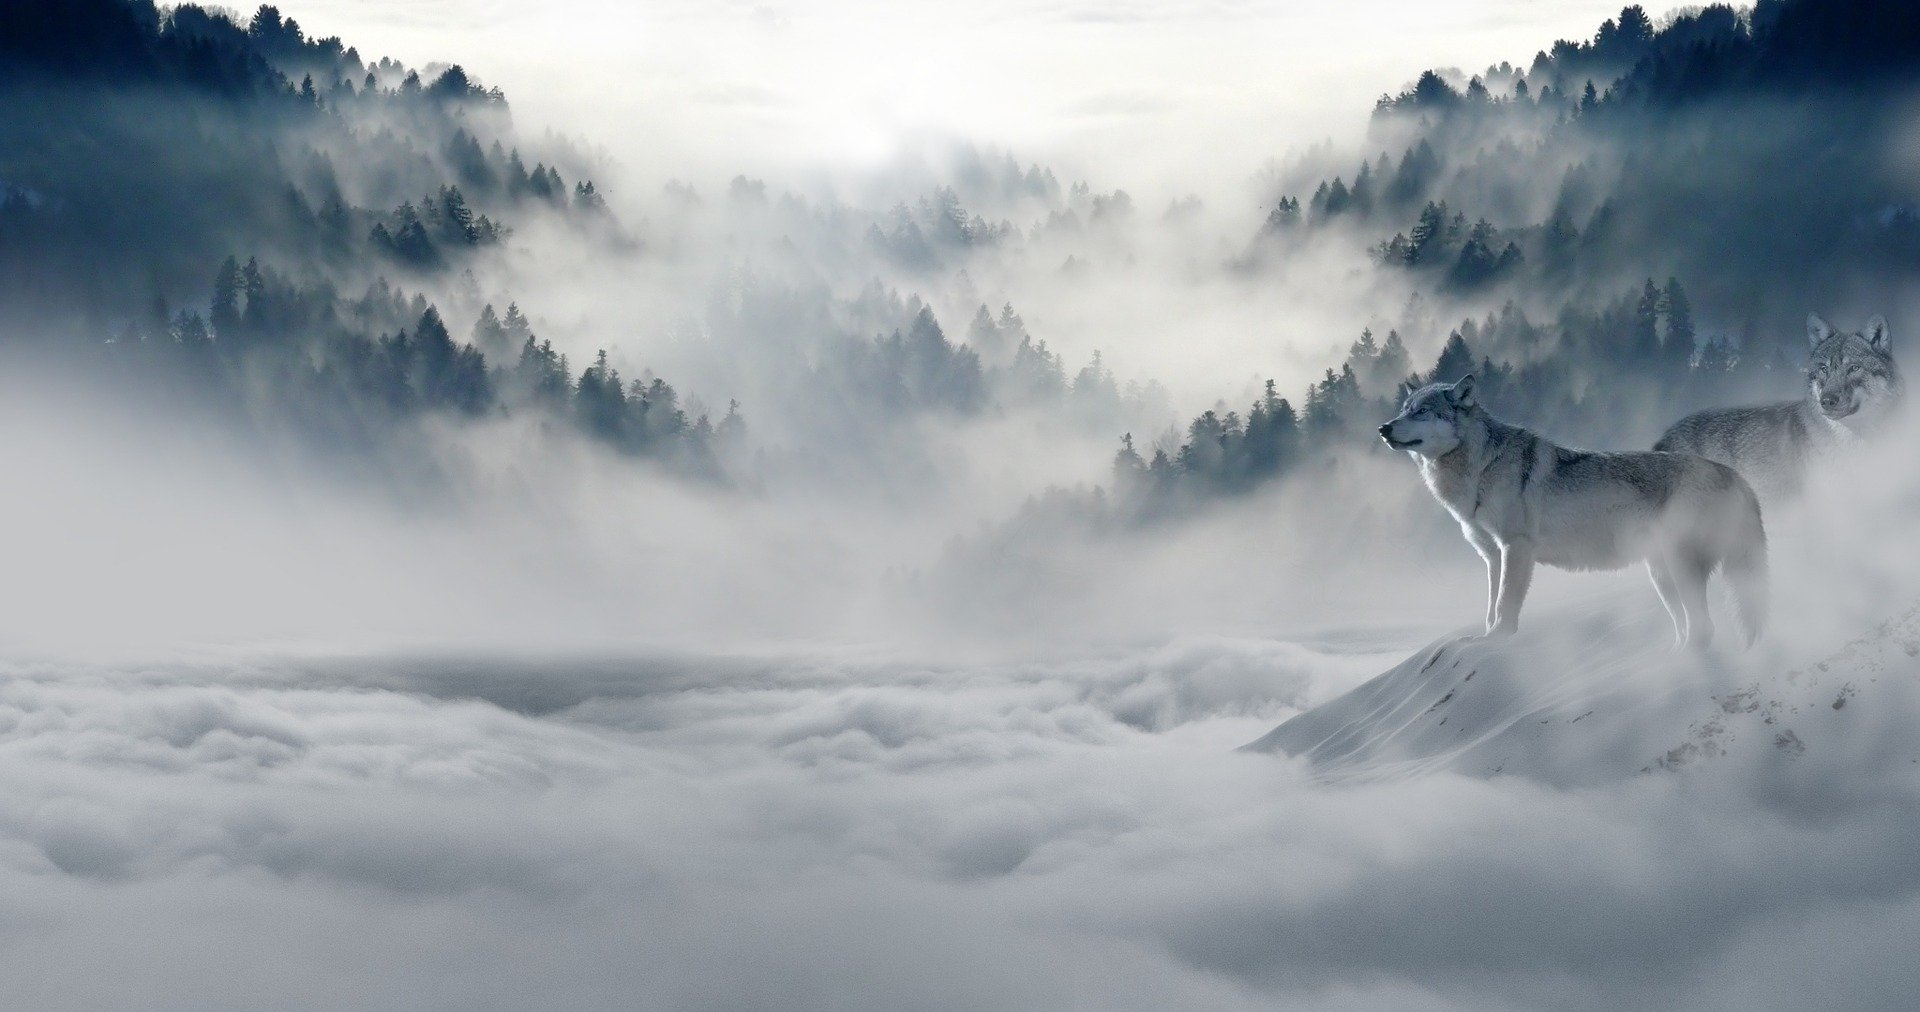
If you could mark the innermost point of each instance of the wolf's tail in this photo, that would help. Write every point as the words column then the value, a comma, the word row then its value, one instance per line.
column 1746, row 567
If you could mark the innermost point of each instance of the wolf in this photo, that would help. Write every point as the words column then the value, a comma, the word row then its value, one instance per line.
column 1520, row 499
column 1853, row 386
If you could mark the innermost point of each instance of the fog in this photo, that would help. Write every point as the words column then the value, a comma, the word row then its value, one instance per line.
column 824, row 645
column 830, row 826
column 1167, row 99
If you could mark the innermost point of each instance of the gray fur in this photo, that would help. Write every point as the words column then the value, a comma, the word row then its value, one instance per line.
column 1853, row 385
column 1520, row 500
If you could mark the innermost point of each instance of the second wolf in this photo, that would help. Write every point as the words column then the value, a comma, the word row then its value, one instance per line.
column 1852, row 387
column 1520, row 500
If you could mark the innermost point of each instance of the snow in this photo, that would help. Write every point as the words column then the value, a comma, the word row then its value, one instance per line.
column 1595, row 692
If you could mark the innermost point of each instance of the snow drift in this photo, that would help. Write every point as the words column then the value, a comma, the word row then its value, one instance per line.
column 1595, row 693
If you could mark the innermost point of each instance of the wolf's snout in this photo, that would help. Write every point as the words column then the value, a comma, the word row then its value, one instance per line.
column 1386, row 433
column 1831, row 401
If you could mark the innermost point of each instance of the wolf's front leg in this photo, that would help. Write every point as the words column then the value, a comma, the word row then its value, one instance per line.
column 1493, row 591
column 1516, row 575
column 1489, row 551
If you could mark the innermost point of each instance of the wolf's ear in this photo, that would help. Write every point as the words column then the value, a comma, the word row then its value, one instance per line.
column 1876, row 332
column 1817, row 330
column 1463, row 391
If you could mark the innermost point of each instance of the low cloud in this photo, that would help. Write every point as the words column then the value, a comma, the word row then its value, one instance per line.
column 813, row 830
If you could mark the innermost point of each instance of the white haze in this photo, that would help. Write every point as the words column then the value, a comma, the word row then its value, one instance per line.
column 826, row 826
column 1163, row 99
column 861, row 106
column 503, row 720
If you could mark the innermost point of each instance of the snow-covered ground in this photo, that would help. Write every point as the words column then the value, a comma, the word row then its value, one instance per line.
column 1595, row 694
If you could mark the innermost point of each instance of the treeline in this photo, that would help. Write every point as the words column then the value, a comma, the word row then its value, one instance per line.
column 1744, row 150
column 230, row 133
column 1609, row 377
column 350, row 367
column 247, row 133
column 936, row 232
column 845, row 370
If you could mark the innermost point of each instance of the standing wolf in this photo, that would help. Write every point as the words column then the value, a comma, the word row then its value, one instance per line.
column 1520, row 499
column 1852, row 386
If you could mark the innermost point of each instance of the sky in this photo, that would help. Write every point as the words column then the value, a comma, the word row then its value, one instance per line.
column 1164, row 98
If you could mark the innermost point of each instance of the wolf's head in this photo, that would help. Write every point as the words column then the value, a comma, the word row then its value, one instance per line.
column 1851, row 376
column 1433, row 420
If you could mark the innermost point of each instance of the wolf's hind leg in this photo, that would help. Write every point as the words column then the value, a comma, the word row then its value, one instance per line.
column 1669, row 591
column 1691, row 572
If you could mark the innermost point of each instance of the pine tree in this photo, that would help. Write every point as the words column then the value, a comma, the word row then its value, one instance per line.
column 1678, row 311
column 1643, row 342
column 599, row 400
column 1394, row 364
column 409, row 240
column 1363, row 350
column 984, row 335
column 1361, row 198
column 733, row 427
column 1418, row 169
column 518, row 182
column 255, row 316
column 1635, row 28
column 1338, row 197
column 517, row 327
column 588, row 200
column 1558, row 243
column 1715, row 358
column 227, row 301
column 458, row 216
column 1510, row 260
column 1428, row 232
column 189, row 330
column 489, row 334
column 1455, row 361
column 542, row 374
column 1476, row 262
column 1127, row 465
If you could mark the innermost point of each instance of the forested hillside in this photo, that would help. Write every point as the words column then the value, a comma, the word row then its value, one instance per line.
column 1646, row 215
column 1616, row 231
column 233, row 205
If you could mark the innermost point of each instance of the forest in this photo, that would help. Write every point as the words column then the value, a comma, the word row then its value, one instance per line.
column 1624, row 228
column 1741, row 151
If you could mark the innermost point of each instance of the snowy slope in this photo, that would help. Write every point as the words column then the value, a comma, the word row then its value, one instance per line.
column 1596, row 693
